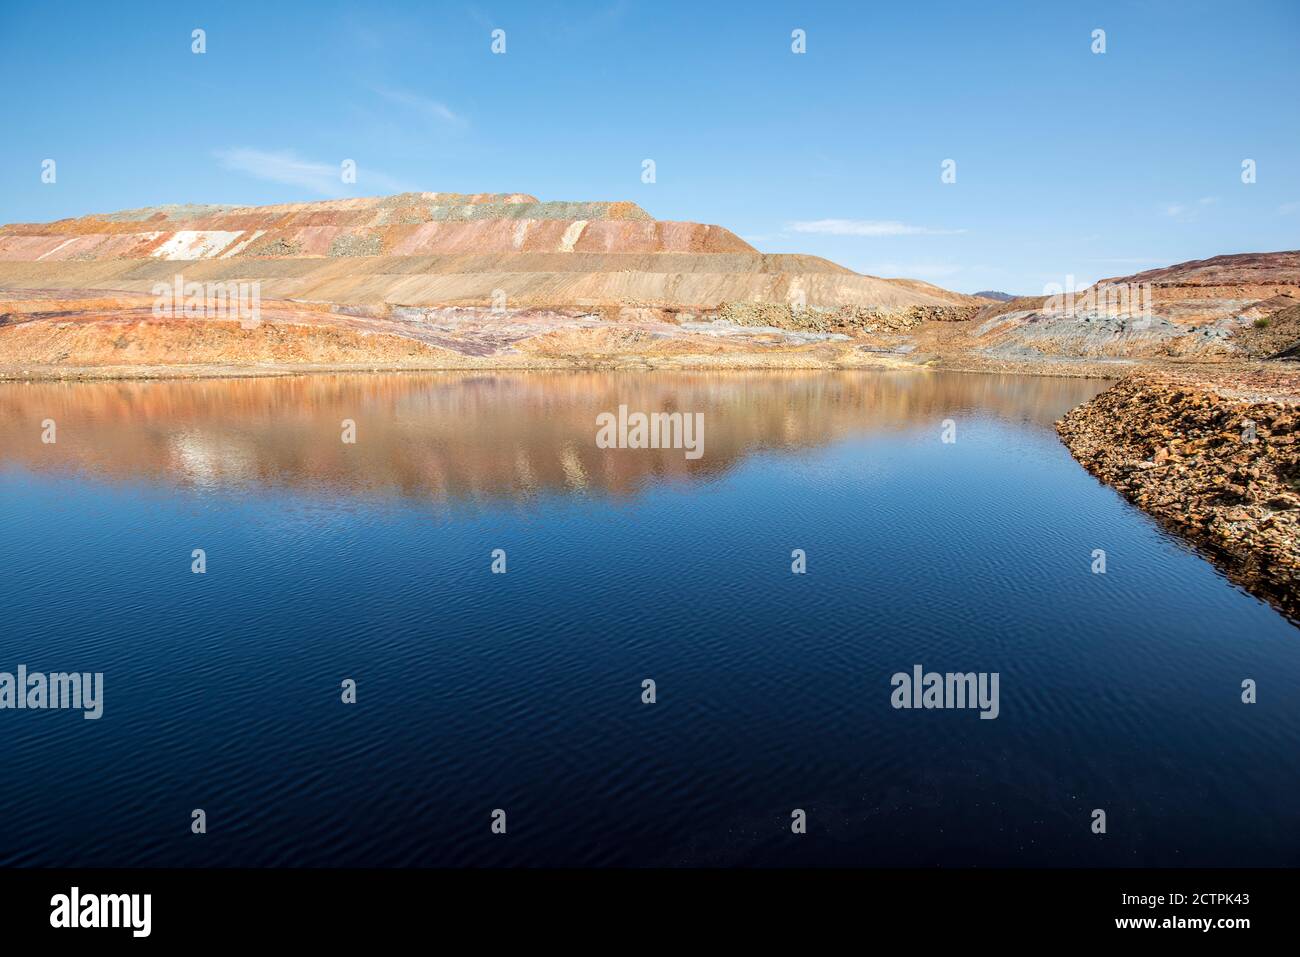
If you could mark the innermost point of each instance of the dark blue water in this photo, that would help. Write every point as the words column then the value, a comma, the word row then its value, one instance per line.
column 523, row 691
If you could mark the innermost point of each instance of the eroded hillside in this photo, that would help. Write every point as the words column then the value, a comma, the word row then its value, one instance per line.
column 423, row 279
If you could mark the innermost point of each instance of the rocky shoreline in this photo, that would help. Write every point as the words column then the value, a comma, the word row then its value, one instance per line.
column 1221, row 470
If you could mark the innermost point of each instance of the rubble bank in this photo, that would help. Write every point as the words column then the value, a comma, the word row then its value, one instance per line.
column 1223, row 472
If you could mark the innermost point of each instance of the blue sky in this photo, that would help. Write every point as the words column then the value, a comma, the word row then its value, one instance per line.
column 1068, row 162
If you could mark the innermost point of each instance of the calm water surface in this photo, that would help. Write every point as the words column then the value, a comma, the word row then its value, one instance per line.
column 522, row 691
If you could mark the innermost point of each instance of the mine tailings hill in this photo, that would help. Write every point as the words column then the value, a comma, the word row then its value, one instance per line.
column 1209, row 308
column 439, row 249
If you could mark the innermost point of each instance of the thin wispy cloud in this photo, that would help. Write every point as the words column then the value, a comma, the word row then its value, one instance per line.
column 1186, row 212
column 1286, row 209
column 431, row 109
column 913, row 270
column 289, row 169
column 1130, row 260
column 599, row 21
column 483, row 19
column 867, row 227
column 284, row 167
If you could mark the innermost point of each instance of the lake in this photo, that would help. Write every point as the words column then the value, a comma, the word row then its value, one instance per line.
column 941, row 524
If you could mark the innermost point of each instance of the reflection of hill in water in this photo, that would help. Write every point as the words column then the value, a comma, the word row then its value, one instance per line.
column 475, row 437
